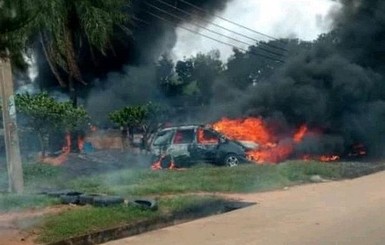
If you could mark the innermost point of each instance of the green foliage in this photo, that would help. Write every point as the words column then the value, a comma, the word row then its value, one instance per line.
column 63, row 26
column 16, row 17
column 147, row 117
column 66, row 25
column 196, row 76
column 45, row 115
column 130, row 116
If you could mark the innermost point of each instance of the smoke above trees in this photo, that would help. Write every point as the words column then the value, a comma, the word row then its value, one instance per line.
column 334, row 84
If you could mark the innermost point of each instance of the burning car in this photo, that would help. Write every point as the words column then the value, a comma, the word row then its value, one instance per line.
column 185, row 145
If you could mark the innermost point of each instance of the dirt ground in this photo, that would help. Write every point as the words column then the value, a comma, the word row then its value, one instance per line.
column 345, row 212
column 16, row 228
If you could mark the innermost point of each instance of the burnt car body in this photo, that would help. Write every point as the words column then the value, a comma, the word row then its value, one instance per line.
column 187, row 145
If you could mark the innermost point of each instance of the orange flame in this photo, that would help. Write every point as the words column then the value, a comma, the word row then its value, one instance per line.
column 158, row 164
column 271, row 148
column 324, row 158
column 202, row 138
column 298, row 137
column 251, row 129
column 80, row 143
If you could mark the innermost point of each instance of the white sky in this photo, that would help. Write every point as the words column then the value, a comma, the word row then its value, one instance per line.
column 304, row 19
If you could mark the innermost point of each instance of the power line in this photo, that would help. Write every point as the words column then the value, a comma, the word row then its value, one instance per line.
column 222, row 27
column 208, row 37
column 229, row 21
column 212, row 31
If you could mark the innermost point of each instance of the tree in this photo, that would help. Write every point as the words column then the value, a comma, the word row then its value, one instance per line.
column 65, row 26
column 15, row 21
column 197, row 75
column 146, row 117
column 46, row 116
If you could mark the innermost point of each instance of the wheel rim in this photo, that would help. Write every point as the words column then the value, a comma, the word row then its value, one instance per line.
column 232, row 161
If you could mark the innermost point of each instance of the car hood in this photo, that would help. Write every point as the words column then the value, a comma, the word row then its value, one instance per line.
column 250, row 145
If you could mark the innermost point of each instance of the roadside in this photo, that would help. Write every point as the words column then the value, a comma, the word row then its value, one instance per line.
column 344, row 212
column 175, row 191
column 16, row 228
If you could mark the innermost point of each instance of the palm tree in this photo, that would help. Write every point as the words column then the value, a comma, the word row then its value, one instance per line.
column 15, row 19
column 62, row 27
column 66, row 26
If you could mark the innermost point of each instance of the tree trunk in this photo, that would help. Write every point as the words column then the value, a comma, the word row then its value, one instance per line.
column 74, row 99
column 123, row 135
column 73, row 92
column 43, row 144
column 11, row 137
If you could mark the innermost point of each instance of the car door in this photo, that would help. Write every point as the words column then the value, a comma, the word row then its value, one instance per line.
column 162, row 142
column 182, row 140
column 206, row 145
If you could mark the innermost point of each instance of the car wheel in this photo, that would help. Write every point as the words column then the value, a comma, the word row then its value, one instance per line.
column 231, row 160
column 165, row 162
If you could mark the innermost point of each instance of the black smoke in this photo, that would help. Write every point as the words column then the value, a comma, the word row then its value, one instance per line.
column 126, row 74
column 336, row 86
column 149, row 38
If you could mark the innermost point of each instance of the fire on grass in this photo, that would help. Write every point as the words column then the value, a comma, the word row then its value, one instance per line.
column 62, row 156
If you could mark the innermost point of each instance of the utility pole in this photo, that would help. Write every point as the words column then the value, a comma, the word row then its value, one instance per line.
column 11, row 138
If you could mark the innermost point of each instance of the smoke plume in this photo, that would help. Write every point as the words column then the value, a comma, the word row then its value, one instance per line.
column 336, row 86
column 133, row 80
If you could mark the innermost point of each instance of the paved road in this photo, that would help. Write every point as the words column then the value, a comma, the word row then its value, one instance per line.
column 347, row 212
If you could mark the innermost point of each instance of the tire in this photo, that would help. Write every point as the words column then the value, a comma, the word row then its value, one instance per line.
column 87, row 198
column 165, row 162
column 62, row 193
column 104, row 201
column 145, row 204
column 231, row 160
column 70, row 198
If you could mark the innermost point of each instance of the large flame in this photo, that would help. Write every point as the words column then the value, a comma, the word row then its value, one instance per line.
column 272, row 149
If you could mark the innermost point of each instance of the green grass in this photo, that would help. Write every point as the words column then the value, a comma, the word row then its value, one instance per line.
column 17, row 202
column 201, row 178
column 40, row 175
column 246, row 178
column 90, row 219
column 145, row 182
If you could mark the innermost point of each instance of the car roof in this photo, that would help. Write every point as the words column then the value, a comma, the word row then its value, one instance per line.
column 186, row 127
column 181, row 127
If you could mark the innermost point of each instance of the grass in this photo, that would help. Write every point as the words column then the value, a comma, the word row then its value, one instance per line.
column 90, row 219
column 144, row 182
column 246, row 178
column 201, row 178
column 14, row 202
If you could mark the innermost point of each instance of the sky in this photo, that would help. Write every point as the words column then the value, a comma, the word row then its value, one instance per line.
column 303, row 19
